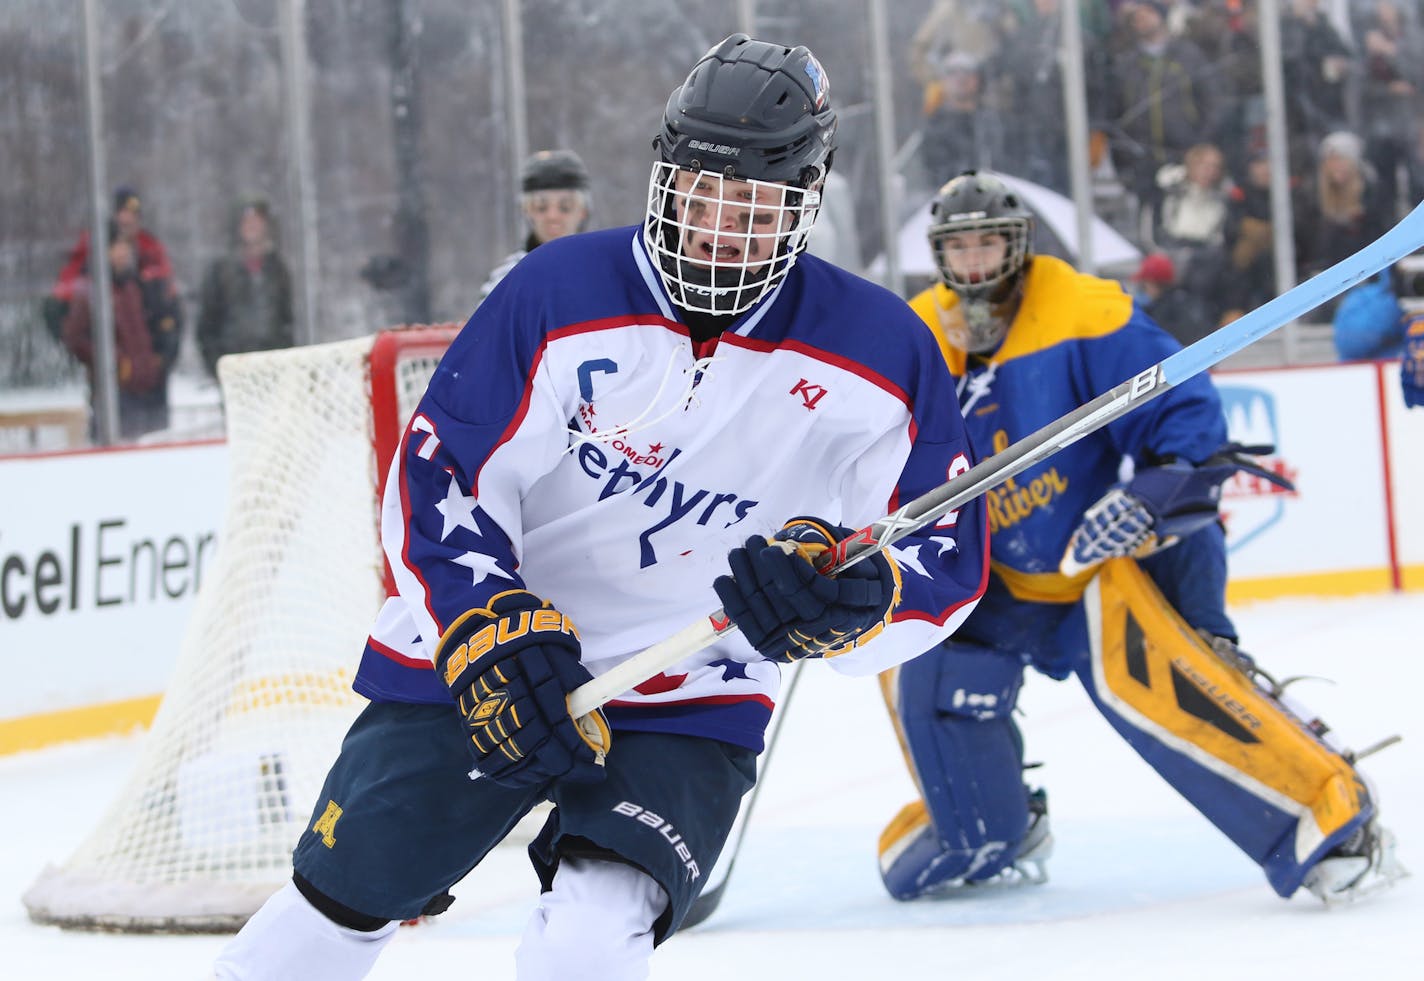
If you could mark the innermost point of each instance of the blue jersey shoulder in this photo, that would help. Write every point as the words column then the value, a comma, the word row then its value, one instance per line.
column 581, row 277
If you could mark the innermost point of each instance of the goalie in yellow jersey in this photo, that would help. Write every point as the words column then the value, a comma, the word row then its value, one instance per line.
column 1082, row 583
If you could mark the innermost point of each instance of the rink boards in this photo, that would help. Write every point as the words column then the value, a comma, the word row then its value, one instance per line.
column 102, row 553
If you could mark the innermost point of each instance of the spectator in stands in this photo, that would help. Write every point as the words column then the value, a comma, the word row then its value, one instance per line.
column 1035, row 129
column 1337, row 210
column 1180, row 312
column 152, row 257
column 1416, row 163
column 1163, row 99
column 1368, row 321
column 246, row 300
column 554, row 196
column 961, row 132
column 147, row 330
column 1392, row 59
column 1228, row 36
column 1247, row 276
column 1195, row 196
column 969, row 26
column 1316, row 62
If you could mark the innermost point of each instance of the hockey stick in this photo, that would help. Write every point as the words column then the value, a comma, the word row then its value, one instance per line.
column 1389, row 248
column 706, row 902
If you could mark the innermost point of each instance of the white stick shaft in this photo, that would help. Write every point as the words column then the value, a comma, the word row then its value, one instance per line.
column 643, row 665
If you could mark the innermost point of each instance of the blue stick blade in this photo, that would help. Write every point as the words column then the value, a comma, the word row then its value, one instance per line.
column 1389, row 248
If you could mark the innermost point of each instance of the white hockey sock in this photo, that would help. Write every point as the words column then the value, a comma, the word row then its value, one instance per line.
column 288, row 938
column 596, row 924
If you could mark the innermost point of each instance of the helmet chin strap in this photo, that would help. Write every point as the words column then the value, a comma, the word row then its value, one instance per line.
column 722, row 285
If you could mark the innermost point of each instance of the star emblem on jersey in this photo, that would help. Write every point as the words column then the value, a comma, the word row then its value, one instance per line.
column 458, row 510
column 483, row 566
column 946, row 543
column 909, row 558
column 731, row 669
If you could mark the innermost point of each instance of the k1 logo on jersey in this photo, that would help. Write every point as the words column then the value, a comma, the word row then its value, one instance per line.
column 810, row 394
column 1249, row 504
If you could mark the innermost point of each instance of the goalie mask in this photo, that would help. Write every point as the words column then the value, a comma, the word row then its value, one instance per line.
column 981, row 236
column 744, row 147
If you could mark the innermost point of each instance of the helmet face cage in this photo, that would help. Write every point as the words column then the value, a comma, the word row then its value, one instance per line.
column 967, row 264
column 720, row 243
column 982, row 260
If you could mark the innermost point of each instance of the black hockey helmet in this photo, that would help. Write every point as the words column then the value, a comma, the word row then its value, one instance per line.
column 982, row 203
column 553, row 170
column 744, row 147
column 752, row 110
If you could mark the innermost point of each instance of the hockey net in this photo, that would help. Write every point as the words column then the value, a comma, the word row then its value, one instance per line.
column 202, row 833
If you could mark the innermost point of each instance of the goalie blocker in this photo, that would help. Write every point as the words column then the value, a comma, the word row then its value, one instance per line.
column 1267, row 779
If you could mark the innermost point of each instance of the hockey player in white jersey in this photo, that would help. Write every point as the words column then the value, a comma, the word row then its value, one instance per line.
column 601, row 458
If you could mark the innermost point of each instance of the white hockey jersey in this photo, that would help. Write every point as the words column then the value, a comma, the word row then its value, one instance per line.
column 575, row 442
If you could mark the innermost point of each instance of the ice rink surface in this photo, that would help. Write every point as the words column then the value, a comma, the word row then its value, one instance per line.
column 1140, row 886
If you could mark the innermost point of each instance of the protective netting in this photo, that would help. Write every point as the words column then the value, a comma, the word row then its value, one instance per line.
column 203, row 831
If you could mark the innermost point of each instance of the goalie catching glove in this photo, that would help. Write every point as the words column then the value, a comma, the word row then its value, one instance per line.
column 511, row 667
column 1158, row 507
column 788, row 611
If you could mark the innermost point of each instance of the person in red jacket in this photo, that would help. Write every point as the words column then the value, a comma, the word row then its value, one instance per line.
column 153, row 264
column 146, row 335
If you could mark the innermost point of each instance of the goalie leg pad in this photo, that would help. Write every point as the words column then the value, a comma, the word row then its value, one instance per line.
column 1242, row 758
column 952, row 711
column 1192, row 578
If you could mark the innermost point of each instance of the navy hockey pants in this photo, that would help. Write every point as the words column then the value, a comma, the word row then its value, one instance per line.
column 399, row 821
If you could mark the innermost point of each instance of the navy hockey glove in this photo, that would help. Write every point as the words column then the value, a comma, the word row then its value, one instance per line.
column 788, row 610
column 1158, row 507
column 1411, row 367
column 511, row 667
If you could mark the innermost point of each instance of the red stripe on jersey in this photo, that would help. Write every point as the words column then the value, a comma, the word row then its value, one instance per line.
column 418, row 663
column 705, row 700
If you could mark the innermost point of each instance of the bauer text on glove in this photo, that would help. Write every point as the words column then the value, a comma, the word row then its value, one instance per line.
column 511, row 666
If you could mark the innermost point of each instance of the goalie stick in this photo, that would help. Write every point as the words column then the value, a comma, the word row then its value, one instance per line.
column 1389, row 248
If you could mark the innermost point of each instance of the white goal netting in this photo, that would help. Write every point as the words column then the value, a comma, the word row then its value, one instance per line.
column 203, row 831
